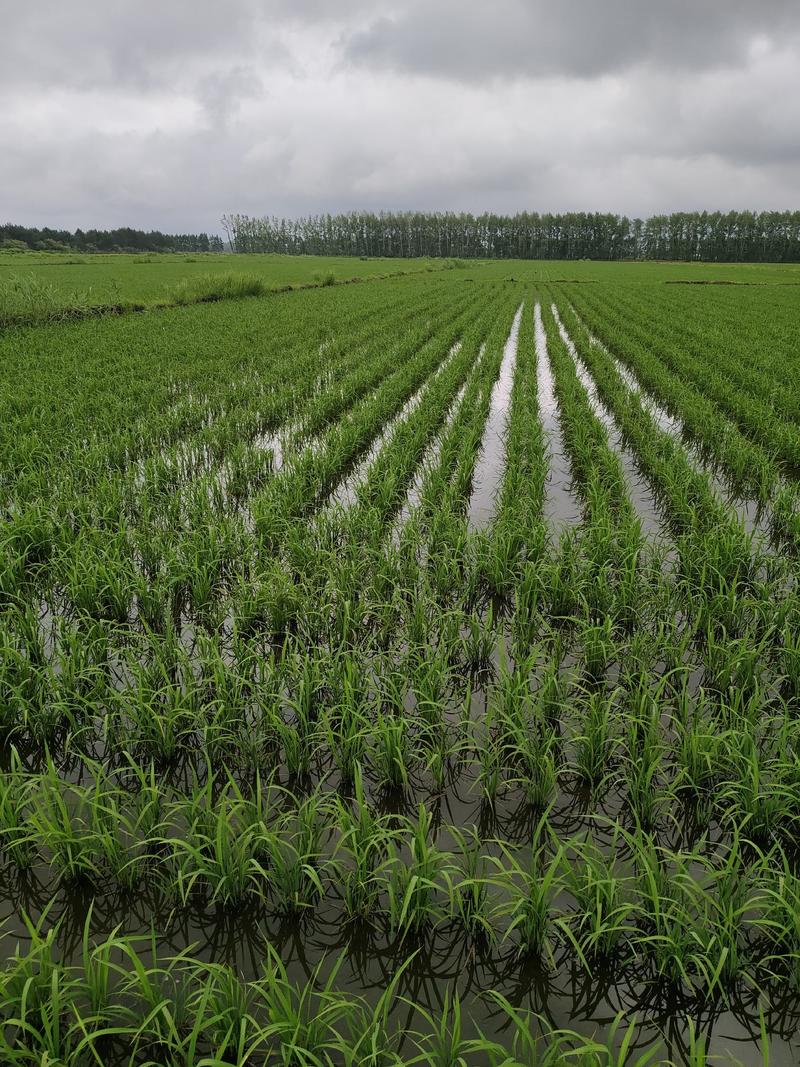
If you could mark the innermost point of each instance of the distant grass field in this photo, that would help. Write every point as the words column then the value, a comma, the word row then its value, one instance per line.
column 148, row 278
column 657, row 272
column 40, row 286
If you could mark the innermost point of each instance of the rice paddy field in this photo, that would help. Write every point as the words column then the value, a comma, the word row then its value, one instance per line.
column 405, row 673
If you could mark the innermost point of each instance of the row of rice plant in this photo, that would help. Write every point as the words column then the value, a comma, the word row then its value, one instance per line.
column 305, row 765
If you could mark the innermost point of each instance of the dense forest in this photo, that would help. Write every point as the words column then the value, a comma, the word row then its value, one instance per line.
column 121, row 240
column 736, row 236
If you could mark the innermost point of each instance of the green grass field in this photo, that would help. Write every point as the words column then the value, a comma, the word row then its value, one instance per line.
column 37, row 285
column 404, row 672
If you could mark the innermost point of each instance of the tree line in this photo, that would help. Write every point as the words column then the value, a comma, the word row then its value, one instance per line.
column 734, row 236
column 124, row 239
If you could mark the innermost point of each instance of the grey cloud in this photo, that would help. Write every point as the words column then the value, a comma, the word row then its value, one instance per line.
column 118, row 43
column 577, row 38
column 747, row 118
column 221, row 94
column 167, row 113
column 151, row 43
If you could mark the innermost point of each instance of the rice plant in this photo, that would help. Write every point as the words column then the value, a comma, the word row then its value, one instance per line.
column 395, row 666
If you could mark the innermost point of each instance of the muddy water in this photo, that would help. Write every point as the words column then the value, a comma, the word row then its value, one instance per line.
column 639, row 490
column 561, row 506
column 491, row 460
column 563, row 993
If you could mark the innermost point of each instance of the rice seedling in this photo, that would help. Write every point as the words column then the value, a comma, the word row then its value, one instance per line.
column 370, row 1039
column 17, row 843
column 413, row 882
column 216, row 855
column 64, row 819
column 595, row 741
column 362, row 852
column 443, row 1043
column 290, row 860
column 604, row 908
column 530, row 889
column 470, row 888
column 300, row 1020
column 391, row 749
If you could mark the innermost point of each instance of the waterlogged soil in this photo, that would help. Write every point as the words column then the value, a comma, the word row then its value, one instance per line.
column 560, row 991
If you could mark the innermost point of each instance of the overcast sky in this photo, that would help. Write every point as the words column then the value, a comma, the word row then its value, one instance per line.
column 167, row 113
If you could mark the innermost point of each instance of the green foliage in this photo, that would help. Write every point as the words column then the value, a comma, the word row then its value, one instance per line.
column 27, row 299
column 206, row 288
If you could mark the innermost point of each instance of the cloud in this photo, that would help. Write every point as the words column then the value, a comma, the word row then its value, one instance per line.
column 167, row 115
column 577, row 38
column 222, row 93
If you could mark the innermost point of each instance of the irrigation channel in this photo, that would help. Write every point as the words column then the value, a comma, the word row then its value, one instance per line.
column 751, row 512
column 561, row 504
column 489, row 466
column 639, row 491
column 386, row 680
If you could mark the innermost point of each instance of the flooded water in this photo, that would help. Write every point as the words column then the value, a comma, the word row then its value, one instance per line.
column 561, row 992
column 752, row 513
column 561, row 505
column 491, row 460
column 346, row 493
column 639, row 491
